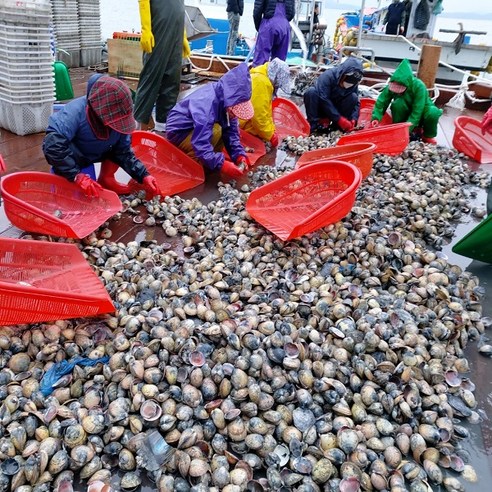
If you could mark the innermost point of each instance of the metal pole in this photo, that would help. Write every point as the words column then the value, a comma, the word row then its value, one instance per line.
column 361, row 22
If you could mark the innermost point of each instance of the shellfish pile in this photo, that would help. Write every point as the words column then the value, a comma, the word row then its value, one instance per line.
column 239, row 362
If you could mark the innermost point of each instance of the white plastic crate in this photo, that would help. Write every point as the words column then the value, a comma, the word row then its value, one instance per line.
column 24, row 119
column 90, row 56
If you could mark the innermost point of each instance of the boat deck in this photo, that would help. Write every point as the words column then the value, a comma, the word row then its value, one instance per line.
column 24, row 153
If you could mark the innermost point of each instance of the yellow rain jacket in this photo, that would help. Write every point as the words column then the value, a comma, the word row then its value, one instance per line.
column 261, row 124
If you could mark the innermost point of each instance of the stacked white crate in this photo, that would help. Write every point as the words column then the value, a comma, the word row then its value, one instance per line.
column 90, row 32
column 67, row 31
column 27, row 88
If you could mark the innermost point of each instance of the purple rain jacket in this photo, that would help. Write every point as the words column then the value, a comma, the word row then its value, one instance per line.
column 199, row 111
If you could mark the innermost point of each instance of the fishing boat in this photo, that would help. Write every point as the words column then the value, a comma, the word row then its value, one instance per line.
column 368, row 36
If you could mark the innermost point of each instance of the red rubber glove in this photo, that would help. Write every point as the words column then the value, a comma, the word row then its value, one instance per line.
column 231, row 169
column 88, row 185
column 374, row 123
column 242, row 162
column 274, row 140
column 345, row 124
column 487, row 122
column 354, row 124
column 151, row 186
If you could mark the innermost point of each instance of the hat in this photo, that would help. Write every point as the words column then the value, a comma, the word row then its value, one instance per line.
column 279, row 75
column 111, row 100
column 243, row 110
column 353, row 77
column 397, row 88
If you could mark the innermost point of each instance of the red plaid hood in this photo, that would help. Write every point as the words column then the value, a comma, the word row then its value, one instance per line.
column 111, row 101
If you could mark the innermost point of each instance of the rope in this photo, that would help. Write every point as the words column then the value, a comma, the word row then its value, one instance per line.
column 214, row 56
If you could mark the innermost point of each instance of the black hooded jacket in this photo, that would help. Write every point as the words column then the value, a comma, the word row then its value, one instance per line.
column 235, row 6
column 266, row 9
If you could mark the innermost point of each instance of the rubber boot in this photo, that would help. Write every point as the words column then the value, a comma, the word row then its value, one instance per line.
column 107, row 180
column 429, row 140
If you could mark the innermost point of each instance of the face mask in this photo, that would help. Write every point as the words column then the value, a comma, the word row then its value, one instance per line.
column 347, row 85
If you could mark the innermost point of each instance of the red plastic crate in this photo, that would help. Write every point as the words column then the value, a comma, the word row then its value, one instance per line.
column 359, row 154
column 306, row 199
column 389, row 139
column 469, row 140
column 43, row 281
column 254, row 146
column 365, row 113
column 288, row 119
column 48, row 204
column 174, row 171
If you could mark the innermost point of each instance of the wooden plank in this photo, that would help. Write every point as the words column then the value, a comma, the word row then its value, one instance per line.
column 124, row 58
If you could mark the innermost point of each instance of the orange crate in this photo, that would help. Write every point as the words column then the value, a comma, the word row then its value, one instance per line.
column 365, row 113
column 359, row 154
column 48, row 204
column 174, row 171
column 389, row 139
column 469, row 140
column 306, row 199
column 288, row 119
column 43, row 281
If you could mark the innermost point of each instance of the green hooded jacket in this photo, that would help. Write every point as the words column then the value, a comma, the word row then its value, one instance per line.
column 416, row 98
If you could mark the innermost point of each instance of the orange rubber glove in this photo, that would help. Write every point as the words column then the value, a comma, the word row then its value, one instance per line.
column 88, row 185
column 345, row 124
column 231, row 169
column 151, row 186
column 374, row 123
column 274, row 140
column 487, row 122
column 243, row 163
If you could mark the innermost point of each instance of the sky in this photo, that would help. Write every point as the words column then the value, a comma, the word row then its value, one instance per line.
column 450, row 6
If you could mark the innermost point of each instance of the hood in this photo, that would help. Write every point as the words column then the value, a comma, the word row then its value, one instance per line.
column 235, row 85
column 403, row 74
column 279, row 75
column 351, row 64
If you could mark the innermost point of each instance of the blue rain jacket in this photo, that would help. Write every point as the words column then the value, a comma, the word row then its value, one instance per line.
column 70, row 145
column 199, row 111
column 329, row 90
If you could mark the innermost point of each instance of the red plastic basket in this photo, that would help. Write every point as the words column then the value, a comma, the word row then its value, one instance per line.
column 3, row 167
column 306, row 199
column 365, row 113
column 469, row 140
column 254, row 146
column 389, row 139
column 43, row 281
column 359, row 154
column 288, row 119
column 48, row 204
column 174, row 171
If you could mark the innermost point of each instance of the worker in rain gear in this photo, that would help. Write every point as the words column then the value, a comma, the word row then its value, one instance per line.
column 487, row 122
column 204, row 122
column 409, row 100
column 96, row 128
column 162, row 42
column 272, row 19
column 335, row 96
column 266, row 80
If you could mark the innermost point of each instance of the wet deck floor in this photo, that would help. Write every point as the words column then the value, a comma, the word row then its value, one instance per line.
column 24, row 153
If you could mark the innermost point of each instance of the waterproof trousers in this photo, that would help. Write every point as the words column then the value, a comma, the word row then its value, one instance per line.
column 400, row 111
column 216, row 142
column 233, row 30
column 316, row 108
column 161, row 73
column 273, row 37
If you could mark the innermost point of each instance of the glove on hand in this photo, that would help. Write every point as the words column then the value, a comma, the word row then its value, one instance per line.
column 147, row 41
column 345, row 124
column 274, row 140
column 374, row 123
column 151, row 186
column 88, row 185
column 243, row 163
column 354, row 124
column 231, row 169
column 487, row 122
